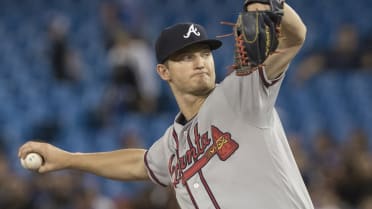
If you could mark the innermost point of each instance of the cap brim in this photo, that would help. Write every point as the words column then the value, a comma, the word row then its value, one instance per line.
column 212, row 43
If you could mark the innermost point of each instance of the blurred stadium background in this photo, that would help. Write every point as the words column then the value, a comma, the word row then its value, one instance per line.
column 62, row 80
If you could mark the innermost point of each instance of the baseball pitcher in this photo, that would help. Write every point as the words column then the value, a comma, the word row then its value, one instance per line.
column 226, row 148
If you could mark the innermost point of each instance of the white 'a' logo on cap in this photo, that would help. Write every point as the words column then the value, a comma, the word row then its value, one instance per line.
column 192, row 29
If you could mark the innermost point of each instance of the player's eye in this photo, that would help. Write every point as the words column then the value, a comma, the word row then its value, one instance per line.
column 206, row 53
column 187, row 57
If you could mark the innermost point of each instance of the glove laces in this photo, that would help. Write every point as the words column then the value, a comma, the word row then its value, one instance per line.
column 241, row 58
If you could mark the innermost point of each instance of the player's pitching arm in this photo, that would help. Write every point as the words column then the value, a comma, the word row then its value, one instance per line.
column 293, row 33
column 123, row 165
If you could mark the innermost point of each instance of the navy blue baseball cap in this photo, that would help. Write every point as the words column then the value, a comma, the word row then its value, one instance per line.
column 179, row 36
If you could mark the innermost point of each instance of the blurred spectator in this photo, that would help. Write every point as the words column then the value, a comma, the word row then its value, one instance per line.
column 55, row 190
column 125, row 80
column 325, row 198
column 132, row 139
column 366, row 203
column 2, row 143
column 88, row 196
column 134, row 86
column 356, row 183
column 111, row 23
column 156, row 198
column 150, row 195
column 120, row 18
column 132, row 16
column 47, row 129
column 343, row 56
column 301, row 156
column 317, row 166
column 68, row 190
column 325, row 153
column 366, row 59
column 14, row 191
column 65, row 61
column 134, row 74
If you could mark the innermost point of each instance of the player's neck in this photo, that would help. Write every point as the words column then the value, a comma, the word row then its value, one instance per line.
column 189, row 105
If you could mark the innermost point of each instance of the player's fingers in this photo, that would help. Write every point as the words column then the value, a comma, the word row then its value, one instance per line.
column 46, row 167
column 258, row 7
column 42, row 169
column 28, row 147
column 22, row 151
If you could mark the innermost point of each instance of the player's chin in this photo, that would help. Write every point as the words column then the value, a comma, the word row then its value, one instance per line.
column 203, row 79
column 203, row 89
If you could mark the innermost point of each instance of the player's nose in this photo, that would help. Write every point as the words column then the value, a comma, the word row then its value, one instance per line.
column 199, row 62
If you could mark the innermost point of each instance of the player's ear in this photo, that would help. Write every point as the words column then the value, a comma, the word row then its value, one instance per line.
column 163, row 71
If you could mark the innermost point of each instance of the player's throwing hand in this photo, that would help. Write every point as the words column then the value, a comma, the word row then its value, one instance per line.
column 53, row 157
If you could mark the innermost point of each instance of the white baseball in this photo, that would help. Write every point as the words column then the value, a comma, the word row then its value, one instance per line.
column 33, row 161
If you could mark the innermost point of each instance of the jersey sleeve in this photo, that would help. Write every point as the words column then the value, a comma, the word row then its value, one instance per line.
column 252, row 96
column 156, row 162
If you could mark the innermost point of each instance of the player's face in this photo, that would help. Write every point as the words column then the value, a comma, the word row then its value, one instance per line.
column 191, row 70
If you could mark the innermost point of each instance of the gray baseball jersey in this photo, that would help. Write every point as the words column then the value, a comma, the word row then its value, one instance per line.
column 233, row 154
